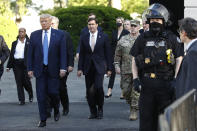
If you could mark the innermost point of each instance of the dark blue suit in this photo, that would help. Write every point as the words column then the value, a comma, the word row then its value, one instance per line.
column 47, row 77
column 186, row 77
column 94, row 65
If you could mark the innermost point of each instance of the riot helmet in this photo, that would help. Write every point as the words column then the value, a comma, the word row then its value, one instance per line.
column 157, row 11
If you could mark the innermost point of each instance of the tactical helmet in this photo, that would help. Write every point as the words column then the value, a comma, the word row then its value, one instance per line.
column 157, row 11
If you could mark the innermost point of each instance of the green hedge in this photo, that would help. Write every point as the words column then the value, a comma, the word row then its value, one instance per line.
column 73, row 19
column 9, row 30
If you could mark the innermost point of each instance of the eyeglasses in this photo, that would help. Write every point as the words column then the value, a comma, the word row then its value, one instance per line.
column 133, row 25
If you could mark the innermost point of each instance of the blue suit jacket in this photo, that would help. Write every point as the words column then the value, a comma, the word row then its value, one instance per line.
column 186, row 78
column 57, row 58
column 101, row 56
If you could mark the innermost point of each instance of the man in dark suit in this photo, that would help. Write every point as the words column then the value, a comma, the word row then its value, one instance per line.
column 70, row 64
column 47, row 62
column 18, row 61
column 186, row 77
column 94, row 60
column 4, row 54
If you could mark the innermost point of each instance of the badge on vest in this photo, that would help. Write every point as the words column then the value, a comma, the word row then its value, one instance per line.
column 147, row 60
column 150, row 43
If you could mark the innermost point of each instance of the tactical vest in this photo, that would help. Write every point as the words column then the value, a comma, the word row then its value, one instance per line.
column 155, row 60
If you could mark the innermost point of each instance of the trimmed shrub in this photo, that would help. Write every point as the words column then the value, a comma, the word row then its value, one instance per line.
column 74, row 19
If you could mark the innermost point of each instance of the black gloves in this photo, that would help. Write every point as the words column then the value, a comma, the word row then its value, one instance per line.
column 137, row 85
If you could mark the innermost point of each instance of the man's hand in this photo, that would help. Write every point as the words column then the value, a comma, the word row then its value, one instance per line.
column 108, row 73
column 79, row 73
column 8, row 69
column 30, row 74
column 70, row 68
column 62, row 73
column 117, row 70
column 137, row 85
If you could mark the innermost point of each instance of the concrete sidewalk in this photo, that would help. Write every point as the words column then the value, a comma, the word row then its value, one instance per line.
column 25, row 118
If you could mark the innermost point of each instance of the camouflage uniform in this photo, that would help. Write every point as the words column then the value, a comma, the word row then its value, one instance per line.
column 123, row 61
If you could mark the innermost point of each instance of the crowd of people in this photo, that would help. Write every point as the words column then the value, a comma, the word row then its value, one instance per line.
column 153, row 67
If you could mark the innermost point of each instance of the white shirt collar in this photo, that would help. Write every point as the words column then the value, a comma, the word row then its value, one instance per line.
column 21, row 41
column 95, row 33
column 48, row 31
column 190, row 43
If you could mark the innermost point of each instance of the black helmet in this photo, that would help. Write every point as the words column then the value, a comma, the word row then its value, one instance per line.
column 157, row 11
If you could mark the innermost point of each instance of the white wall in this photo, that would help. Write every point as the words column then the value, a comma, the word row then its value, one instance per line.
column 190, row 8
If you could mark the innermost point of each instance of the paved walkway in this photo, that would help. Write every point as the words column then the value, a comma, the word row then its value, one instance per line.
column 24, row 118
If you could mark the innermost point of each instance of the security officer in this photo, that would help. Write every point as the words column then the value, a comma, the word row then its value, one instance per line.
column 157, row 55
column 122, row 62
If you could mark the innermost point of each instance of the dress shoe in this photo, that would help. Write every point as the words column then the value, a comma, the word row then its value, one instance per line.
column 65, row 112
column 48, row 115
column 92, row 116
column 42, row 124
column 31, row 99
column 107, row 96
column 100, row 114
column 56, row 116
column 21, row 103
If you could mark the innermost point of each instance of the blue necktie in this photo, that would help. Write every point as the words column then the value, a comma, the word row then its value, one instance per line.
column 45, row 48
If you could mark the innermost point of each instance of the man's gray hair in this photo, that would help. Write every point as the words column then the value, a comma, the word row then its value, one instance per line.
column 45, row 16
column 55, row 18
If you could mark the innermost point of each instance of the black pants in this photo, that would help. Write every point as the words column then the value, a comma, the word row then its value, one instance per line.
column 94, row 87
column 63, row 92
column 155, row 96
column 112, row 78
column 22, row 80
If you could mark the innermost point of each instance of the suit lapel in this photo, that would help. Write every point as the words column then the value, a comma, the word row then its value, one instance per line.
column 88, row 41
column 97, row 40
column 51, row 39
column 40, row 40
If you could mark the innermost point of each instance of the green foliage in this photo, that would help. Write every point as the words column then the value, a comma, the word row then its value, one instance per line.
column 137, row 6
column 88, row 2
column 8, row 30
column 74, row 19
column 5, row 10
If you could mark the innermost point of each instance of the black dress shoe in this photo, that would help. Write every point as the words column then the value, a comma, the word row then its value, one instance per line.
column 42, row 124
column 56, row 116
column 107, row 96
column 65, row 112
column 100, row 114
column 21, row 103
column 31, row 99
column 92, row 116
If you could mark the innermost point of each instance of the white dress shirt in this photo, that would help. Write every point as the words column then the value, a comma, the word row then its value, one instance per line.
column 48, row 35
column 20, row 48
column 95, row 37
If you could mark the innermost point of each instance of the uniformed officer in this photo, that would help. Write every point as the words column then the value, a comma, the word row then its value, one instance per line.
column 122, row 62
column 157, row 55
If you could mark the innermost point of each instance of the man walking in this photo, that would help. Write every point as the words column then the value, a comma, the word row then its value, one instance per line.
column 94, row 60
column 47, row 62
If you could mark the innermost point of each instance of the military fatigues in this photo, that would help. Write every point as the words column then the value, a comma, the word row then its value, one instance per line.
column 156, row 71
column 123, row 60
